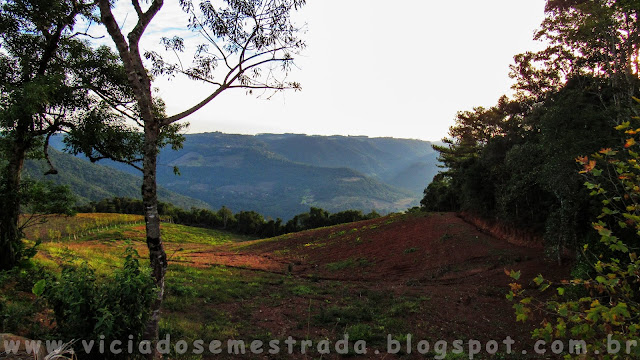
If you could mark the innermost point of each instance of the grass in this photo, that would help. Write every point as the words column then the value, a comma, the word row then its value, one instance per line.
column 348, row 263
column 218, row 302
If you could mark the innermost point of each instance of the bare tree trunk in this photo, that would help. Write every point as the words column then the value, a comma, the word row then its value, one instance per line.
column 157, row 255
column 141, row 86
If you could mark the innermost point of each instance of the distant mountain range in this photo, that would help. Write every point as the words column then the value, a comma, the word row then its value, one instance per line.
column 278, row 175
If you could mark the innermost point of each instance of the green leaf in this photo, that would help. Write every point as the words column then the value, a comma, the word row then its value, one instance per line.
column 515, row 274
column 510, row 296
column 563, row 311
column 38, row 288
column 560, row 291
column 623, row 126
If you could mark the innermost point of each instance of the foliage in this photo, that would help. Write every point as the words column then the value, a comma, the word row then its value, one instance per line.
column 601, row 306
column 39, row 199
column 87, row 306
column 47, row 73
column 16, row 306
column 440, row 195
column 594, row 38
column 44, row 197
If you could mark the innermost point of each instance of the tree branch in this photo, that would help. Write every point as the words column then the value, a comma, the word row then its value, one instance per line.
column 170, row 120
column 114, row 31
column 144, row 18
column 136, row 5
column 52, row 170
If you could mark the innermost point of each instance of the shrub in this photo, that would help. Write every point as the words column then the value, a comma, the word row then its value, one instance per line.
column 88, row 307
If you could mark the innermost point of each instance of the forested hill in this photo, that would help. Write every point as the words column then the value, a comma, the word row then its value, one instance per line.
column 92, row 182
column 283, row 175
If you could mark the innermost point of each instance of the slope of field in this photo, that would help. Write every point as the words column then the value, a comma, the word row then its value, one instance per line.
column 432, row 276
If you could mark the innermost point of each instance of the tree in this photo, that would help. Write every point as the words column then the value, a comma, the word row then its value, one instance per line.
column 47, row 72
column 439, row 195
column 225, row 214
column 317, row 218
column 600, row 305
column 243, row 37
column 595, row 38
column 249, row 222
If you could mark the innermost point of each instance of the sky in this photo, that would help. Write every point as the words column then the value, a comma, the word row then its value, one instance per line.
column 400, row 68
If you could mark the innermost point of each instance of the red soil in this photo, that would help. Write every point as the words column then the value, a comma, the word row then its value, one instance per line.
column 424, row 249
column 458, row 267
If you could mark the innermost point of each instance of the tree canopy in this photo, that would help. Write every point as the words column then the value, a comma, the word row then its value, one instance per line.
column 51, row 80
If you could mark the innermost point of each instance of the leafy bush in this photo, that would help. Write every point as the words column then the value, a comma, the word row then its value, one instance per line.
column 88, row 307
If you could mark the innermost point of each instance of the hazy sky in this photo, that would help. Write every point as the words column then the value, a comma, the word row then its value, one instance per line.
column 398, row 68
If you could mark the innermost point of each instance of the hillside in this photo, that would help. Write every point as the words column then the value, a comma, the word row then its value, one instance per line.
column 430, row 275
column 93, row 182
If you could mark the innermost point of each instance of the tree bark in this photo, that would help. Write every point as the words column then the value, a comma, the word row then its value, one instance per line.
column 10, row 236
column 157, row 254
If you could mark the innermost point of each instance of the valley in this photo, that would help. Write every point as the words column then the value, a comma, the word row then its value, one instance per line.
column 277, row 175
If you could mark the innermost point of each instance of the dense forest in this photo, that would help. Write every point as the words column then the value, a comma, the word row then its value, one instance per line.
column 515, row 163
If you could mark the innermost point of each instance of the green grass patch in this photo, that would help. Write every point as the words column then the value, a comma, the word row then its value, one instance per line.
column 348, row 263
column 336, row 234
column 302, row 290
